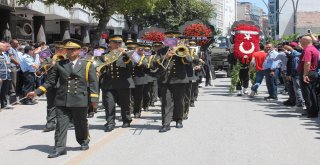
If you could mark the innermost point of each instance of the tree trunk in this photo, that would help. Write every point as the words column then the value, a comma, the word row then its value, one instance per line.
column 101, row 28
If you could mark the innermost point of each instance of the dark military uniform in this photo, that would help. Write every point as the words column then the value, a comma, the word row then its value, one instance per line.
column 71, row 98
column 116, row 83
column 139, row 79
column 51, row 94
column 173, row 81
column 148, row 90
column 191, row 85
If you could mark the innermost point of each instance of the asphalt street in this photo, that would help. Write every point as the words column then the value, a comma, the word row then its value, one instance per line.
column 223, row 129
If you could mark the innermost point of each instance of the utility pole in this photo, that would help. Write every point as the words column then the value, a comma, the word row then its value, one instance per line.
column 295, row 9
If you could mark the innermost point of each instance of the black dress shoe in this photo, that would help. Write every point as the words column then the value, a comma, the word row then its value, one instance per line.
column 192, row 105
column 179, row 124
column 165, row 128
column 125, row 125
column 28, row 103
column 109, row 128
column 137, row 115
column 57, row 154
column 91, row 115
column 48, row 129
column 84, row 146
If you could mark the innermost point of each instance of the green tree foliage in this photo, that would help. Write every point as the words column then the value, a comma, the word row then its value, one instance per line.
column 167, row 14
column 170, row 14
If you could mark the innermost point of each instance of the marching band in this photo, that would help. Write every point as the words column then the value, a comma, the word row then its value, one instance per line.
column 133, row 78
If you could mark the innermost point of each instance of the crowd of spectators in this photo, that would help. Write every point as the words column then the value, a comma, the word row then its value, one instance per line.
column 18, row 63
column 295, row 64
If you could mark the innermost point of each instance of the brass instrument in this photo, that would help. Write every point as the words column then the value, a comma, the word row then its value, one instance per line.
column 180, row 51
column 47, row 66
column 109, row 58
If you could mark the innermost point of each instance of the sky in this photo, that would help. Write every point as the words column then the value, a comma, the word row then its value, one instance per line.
column 258, row 3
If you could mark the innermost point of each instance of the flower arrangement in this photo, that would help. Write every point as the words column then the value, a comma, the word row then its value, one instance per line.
column 198, row 30
column 154, row 36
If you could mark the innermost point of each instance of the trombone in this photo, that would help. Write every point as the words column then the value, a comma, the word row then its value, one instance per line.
column 180, row 51
column 47, row 66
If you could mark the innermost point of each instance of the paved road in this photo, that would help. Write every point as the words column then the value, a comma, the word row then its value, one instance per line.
column 223, row 129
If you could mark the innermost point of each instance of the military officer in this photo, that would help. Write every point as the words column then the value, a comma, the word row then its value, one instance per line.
column 75, row 76
column 116, row 83
column 51, row 91
column 140, row 63
column 173, row 80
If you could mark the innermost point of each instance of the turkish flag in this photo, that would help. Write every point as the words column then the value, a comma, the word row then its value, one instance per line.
column 246, row 42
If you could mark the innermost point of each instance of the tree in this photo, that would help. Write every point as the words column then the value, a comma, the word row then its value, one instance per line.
column 103, row 9
column 170, row 14
column 167, row 14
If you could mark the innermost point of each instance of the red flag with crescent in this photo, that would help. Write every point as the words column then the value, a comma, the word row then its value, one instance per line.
column 246, row 42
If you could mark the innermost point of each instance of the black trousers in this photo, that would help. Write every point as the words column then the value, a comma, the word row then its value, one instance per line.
column 19, row 83
column 154, row 92
column 244, row 79
column 137, row 98
column 4, row 85
column 79, row 116
column 147, row 95
column 172, row 107
column 28, row 83
column 187, row 98
column 51, row 109
column 123, row 98
column 194, row 90
column 309, row 94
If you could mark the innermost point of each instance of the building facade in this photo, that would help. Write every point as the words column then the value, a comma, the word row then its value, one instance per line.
column 281, row 14
column 250, row 12
column 225, row 14
column 39, row 22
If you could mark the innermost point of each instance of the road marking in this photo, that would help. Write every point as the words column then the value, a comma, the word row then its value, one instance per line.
column 102, row 142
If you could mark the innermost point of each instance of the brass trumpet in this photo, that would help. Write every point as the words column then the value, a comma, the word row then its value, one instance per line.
column 47, row 66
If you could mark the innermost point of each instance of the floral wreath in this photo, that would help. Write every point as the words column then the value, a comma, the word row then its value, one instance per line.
column 154, row 36
column 198, row 30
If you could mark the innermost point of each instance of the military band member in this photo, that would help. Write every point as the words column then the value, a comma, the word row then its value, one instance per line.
column 131, row 45
column 189, row 88
column 154, row 74
column 116, row 83
column 89, row 56
column 147, row 89
column 51, row 91
column 139, row 78
column 173, row 80
column 74, row 76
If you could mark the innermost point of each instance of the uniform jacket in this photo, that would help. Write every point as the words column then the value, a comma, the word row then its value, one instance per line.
column 74, row 84
column 139, row 71
column 176, row 71
column 190, row 67
column 150, row 75
column 118, row 74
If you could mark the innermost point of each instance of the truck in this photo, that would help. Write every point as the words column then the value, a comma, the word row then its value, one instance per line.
column 220, row 53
